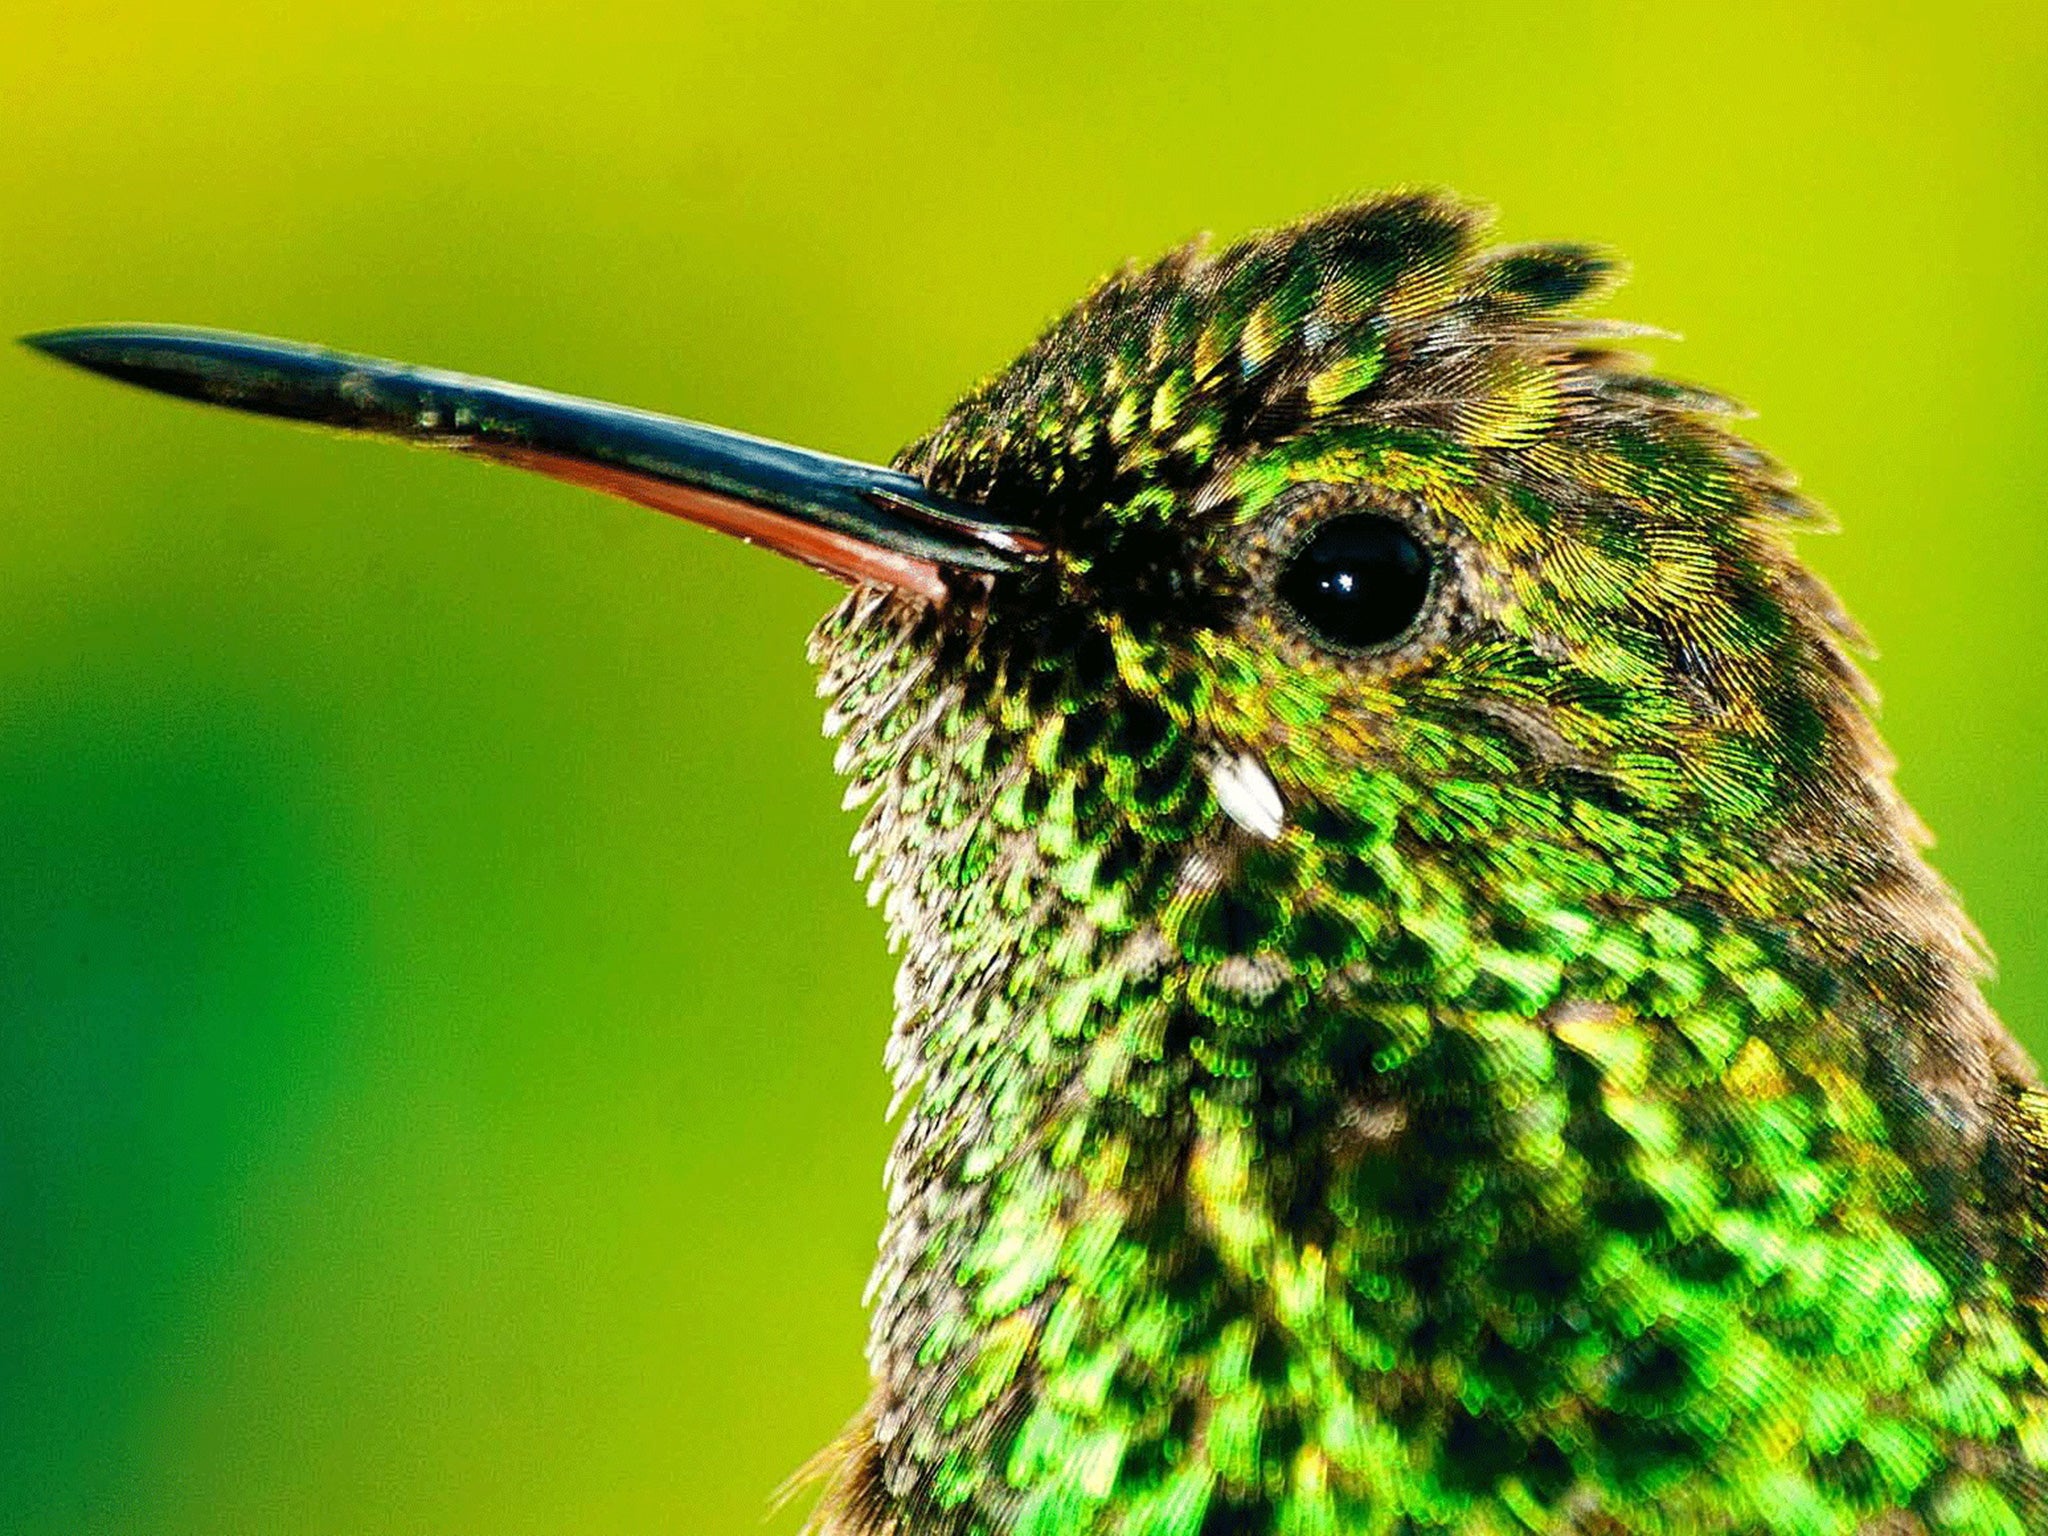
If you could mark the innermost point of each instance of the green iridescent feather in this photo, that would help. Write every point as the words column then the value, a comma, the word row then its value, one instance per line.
column 1579, row 1115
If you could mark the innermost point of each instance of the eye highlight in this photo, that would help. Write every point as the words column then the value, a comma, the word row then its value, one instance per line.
column 1358, row 582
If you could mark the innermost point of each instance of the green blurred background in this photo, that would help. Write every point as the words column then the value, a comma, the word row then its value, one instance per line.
column 439, row 1036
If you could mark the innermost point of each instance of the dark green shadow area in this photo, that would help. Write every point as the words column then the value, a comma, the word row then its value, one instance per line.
column 173, row 975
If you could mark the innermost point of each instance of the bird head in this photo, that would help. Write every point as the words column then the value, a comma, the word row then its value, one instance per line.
column 1346, row 580
column 1361, row 533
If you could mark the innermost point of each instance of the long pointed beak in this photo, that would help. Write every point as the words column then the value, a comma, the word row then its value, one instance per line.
column 854, row 521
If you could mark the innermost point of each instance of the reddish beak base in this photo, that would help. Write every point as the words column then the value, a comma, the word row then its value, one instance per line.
column 838, row 555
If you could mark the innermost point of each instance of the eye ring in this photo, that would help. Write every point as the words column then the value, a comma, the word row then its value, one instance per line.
column 1359, row 582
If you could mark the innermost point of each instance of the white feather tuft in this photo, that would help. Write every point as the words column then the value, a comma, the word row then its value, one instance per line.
column 1248, row 795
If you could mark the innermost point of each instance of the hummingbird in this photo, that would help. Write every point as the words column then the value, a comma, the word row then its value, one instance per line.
column 1421, row 1009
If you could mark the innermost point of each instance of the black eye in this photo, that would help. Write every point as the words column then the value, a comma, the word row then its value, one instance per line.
column 1359, row 582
